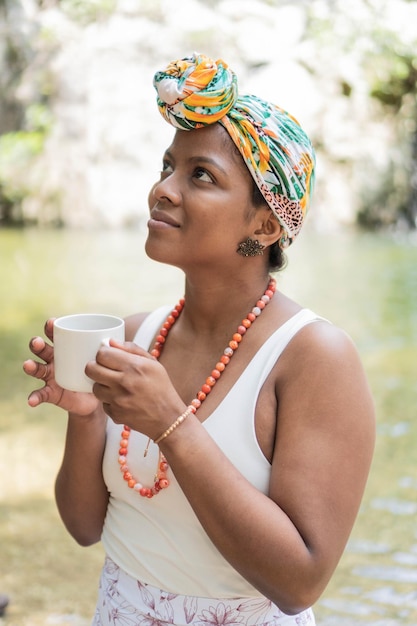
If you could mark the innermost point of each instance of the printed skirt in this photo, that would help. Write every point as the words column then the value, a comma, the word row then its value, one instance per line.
column 124, row 601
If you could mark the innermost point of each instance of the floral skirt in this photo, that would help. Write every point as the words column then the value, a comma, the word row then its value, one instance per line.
column 124, row 601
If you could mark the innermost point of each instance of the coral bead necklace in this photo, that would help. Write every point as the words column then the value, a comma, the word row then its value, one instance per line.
column 161, row 481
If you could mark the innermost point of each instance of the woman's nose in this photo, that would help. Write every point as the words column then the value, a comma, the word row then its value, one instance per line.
column 167, row 189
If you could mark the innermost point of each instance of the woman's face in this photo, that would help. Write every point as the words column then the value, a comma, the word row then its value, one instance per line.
column 201, row 208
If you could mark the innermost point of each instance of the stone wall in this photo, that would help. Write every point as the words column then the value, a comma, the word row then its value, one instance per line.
column 106, row 139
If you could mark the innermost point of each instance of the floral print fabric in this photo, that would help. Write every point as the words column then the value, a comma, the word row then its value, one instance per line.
column 124, row 601
column 197, row 91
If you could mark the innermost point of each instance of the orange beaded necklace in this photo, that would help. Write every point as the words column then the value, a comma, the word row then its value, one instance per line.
column 161, row 481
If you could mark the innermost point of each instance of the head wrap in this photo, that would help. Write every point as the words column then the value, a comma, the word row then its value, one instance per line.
column 196, row 91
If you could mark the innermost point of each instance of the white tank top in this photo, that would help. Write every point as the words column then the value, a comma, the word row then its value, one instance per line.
column 160, row 540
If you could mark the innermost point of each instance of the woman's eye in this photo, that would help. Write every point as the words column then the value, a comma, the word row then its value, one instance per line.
column 166, row 166
column 166, row 170
column 203, row 175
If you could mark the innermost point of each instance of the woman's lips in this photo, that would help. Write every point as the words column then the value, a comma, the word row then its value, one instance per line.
column 160, row 219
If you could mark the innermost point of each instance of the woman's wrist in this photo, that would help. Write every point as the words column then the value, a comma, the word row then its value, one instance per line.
column 190, row 409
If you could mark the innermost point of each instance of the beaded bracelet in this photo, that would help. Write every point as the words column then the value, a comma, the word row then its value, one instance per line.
column 190, row 409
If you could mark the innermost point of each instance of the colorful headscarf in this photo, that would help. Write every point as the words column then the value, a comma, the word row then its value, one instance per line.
column 196, row 91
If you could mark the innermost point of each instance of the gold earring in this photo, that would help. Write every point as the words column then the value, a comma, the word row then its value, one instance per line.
column 250, row 247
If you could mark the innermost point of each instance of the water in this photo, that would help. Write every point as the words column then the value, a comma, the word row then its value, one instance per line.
column 365, row 283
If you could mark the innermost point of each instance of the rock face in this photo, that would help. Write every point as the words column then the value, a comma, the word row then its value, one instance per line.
column 106, row 138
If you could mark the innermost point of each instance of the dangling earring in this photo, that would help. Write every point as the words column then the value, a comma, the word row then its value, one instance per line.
column 250, row 247
column 284, row 241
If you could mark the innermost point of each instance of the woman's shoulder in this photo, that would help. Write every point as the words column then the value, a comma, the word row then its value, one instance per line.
column 312, row 331
column 321, row 338
column 321, row 381
column 321, row 351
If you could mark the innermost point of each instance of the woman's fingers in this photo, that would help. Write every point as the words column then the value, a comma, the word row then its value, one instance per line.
column 37, row 370
column 41, row 349
column 49, row 328
column 128, row 346
column 35, row 398
column 45, row 352
column 40, row 371
column 51, row 392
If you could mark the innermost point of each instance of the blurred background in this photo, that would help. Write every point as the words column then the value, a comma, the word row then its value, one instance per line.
column 80, row 145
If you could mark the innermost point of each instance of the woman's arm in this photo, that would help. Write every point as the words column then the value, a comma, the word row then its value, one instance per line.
column 288, row 544
column 80, row 491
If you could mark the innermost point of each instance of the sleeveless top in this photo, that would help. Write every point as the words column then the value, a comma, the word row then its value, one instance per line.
column 160, row 541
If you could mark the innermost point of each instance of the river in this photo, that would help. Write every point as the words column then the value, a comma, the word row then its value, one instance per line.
column 365, row 283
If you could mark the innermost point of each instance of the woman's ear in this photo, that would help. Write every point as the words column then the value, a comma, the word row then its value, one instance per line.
column 268, row 229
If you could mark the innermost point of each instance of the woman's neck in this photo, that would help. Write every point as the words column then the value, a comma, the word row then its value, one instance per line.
column 218, row 303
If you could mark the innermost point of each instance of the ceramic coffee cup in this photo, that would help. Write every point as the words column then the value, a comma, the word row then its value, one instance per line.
column 77, row 339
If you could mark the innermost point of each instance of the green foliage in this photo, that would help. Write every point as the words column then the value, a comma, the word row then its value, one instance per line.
column 371, row 54
column 386, row 205
column 18, row 152
column 392, row 71
column 87, row 12
column 395, row 79
column 38, row 118
column 362, row 51
column 19, row 146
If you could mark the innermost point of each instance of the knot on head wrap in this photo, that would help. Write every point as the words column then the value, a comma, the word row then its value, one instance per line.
column 194, row 92
column 197, row 91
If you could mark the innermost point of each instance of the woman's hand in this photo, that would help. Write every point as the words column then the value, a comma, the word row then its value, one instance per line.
column 79, row 403
column 134, row 388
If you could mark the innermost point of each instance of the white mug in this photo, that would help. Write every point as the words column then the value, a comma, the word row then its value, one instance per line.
column 77, row 339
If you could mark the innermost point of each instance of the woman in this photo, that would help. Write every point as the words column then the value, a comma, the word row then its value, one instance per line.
column 248, row 423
